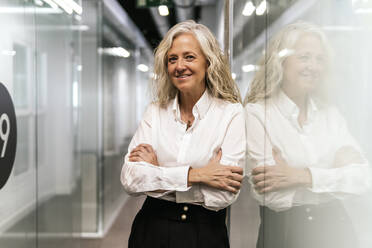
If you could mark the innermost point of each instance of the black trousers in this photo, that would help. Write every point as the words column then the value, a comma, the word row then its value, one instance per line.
column 310, row 226
column 165, row 224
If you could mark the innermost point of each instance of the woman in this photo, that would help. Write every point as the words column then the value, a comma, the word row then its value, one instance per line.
column 188, row 153
column 302, row 158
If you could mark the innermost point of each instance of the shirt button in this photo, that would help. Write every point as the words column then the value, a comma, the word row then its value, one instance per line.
column 183, row 217
column 185, row 208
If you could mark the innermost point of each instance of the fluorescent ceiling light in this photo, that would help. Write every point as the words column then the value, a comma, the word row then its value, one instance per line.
column 28, row 10
column 261, row 8
column 249, row 68
column 38, row 2
column 75, row 94
column 163, row 10
column 142, row 67
column 75, row 7
column 233, row 75
column 248, row 9
column 115, row 51
column 66, row 7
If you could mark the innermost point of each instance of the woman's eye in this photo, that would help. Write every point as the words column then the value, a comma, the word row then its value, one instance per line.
column 172, row 60
column 190, row 57
column 303, row 57
column 320, row 59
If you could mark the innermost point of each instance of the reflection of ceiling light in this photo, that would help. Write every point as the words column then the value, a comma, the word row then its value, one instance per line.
column 163, row 10
column 79, row 67
column 75, row 7
column 115, row 51
column 75, row 94
column 248, row 9
column 38, row 2
column 233, row 75
column 66, row 7
column 142, row 67
column 261, row 8
column 249, row 68
column 79, row 27
column 285, row 52
column 153, row 76
column 77, row 18
column 8, row 52
column 28, row 10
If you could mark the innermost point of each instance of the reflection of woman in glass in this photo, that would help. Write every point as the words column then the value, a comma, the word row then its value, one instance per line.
column 301, row 156
column 188, row 153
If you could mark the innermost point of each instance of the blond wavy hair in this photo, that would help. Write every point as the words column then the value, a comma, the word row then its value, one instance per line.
column 218, row 77
column 268, row 79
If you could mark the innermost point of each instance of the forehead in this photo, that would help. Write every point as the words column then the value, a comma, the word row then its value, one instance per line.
column 309, row 42
column 185, row 42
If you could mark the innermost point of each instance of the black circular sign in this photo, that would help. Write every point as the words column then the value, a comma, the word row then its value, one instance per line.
column 8, row 135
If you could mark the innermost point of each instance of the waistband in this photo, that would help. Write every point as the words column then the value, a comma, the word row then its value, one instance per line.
column 184, row 212
column 328, row 210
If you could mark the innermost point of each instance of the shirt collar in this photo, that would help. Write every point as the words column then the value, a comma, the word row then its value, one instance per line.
column 200, row 109
column 290, row 110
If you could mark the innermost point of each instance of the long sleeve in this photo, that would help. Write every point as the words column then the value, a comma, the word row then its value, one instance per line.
column 353, row 176
column 233, row 154
column 140, row 177
column 259, row 153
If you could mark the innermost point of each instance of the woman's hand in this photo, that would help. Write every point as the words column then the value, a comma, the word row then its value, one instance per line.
column 218, row 176
column 347, row 155
column 144, row 153
column 281, row 175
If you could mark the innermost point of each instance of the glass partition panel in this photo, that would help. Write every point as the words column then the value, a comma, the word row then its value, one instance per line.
column 18, row 196
column 304, row 68
column 57, row 98
column 120, row 83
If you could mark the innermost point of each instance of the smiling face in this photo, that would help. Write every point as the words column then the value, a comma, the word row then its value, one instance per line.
column 303, row 70
column 187, row 64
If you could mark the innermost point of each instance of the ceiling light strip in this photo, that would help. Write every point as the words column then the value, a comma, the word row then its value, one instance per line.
column 75, row 7
column 64, row 6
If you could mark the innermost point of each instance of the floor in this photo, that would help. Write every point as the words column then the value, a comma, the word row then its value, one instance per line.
column 117, row 236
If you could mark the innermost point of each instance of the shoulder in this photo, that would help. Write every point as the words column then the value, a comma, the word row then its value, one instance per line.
column 333, row 115
column 228, row 107
column 256, row 109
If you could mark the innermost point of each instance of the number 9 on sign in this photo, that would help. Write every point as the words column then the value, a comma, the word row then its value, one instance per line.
column 4, row 134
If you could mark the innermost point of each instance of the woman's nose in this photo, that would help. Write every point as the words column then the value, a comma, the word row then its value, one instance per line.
column 314, row 65
column 180, row 66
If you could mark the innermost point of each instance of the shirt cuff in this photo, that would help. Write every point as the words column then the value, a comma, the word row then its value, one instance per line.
column 176, row 177
column 320, row 180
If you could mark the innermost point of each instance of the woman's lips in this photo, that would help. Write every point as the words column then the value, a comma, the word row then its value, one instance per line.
column 183, row 76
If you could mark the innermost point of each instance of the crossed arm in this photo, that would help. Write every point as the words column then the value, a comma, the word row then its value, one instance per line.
column 214, row 174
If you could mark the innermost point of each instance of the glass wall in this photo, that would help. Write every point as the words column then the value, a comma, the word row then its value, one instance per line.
column 303, row 67
column 40, row 63
column 17, row 62
column 77, row 105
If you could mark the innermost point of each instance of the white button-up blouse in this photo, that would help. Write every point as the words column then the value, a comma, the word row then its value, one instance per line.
column 274, row 123
column 218, row 124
